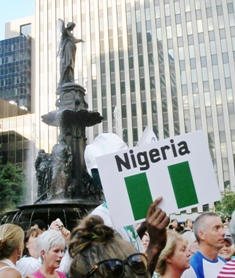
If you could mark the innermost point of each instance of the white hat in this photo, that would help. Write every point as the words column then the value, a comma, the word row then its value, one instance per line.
column 104, row 143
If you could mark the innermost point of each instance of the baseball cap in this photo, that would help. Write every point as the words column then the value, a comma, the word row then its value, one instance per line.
column 229, row 239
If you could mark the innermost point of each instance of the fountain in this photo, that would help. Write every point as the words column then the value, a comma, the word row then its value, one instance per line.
column 65, row 189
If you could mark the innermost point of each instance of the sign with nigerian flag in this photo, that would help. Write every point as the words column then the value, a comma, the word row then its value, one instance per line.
column 179, row 169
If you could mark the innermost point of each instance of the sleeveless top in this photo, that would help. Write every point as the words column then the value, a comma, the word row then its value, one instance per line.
column 9, row 265
column 38, row 274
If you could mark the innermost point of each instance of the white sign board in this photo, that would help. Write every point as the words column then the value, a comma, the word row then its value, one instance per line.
column 179, row 169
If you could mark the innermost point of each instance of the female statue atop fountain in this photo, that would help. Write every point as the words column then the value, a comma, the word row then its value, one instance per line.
column 67, row 52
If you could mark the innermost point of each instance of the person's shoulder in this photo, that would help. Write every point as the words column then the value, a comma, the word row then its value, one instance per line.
column 189, row 273
column 10, row 272
column 196, row 257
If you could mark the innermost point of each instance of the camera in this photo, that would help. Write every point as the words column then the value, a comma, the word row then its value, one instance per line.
column 60, row 224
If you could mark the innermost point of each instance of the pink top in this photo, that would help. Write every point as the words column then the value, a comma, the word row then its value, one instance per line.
column 38, row 274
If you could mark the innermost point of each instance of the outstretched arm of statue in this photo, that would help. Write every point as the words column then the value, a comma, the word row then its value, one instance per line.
column 78, row 40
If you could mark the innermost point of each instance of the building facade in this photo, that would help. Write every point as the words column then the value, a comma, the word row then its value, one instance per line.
column 163, row 64
column 15, row 70
column 16, row 73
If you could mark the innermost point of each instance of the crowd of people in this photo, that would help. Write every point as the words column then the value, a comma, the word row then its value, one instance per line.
column 202, row 249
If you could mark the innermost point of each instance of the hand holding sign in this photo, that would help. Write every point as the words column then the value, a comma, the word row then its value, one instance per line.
column 156, row 221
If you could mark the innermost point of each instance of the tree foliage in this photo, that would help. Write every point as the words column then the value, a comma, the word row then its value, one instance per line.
column 227, row 204
column 11, row 186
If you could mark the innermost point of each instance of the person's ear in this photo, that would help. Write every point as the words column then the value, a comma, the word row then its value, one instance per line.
column 43, row 255
column 168, row 259
column 201, row 235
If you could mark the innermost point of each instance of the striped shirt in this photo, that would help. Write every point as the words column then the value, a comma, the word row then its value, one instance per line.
column 228, row 270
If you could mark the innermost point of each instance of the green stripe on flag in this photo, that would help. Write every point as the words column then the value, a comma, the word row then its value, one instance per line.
column 139, row 194
column 183, row 186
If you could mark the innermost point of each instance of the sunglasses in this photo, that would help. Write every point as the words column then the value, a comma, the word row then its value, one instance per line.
column 115, row 268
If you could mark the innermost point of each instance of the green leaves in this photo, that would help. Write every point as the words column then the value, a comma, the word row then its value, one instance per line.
column 11, row 186
column 227, row 204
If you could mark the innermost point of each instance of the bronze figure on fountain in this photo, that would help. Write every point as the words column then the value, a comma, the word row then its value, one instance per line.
column 68, row 176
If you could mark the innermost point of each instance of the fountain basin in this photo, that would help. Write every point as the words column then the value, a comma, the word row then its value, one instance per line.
column 69, row 212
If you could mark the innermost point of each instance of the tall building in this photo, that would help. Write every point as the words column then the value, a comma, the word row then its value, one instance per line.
column 17, row 135
column 163, row 64
column 15, row 66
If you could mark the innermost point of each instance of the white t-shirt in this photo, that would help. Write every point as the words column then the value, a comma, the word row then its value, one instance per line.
column 28, row 265
column 201, row 267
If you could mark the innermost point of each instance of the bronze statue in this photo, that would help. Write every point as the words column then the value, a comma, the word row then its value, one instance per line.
column 43, row 169
column 61, row 169
column 67, row 52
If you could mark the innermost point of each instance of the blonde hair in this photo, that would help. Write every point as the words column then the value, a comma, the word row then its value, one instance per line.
column 11, row 236
column 168, row 251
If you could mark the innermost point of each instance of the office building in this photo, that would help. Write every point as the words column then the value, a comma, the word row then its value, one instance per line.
column 17, row 136
column 163, row 64
column 15, row 67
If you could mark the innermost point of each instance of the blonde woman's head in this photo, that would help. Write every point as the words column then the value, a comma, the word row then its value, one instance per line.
column 11, row 238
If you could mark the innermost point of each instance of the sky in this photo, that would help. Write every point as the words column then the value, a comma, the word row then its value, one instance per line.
column 14, row 9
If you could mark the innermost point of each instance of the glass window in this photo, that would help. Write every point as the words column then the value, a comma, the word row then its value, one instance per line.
column 177, row 8
column 194, row 75
column 179, row 30
column 189, row 28
column 183, row 77
column 169, row 32
column 191, row 51
column 207, row 99
column 133, row 109
column 199, row 26
column 123, row 111
column 202, row 49
column 228, row 83
column 217, row 84
column 230, row 8
column 180, row 41
column 216, row 72
column 219, row 10
column 203, row 61
column 204, row 74
column 226, row 71
column 218, row 98
column 190, row 39
column 181, row 53
column 123, row 89
column 230, row 99
column 210, row 24
column 188, row 17
column 196, row 101
column 212, row 35
column 132, row 85
column 141, row 61
column 214, row 59
column 178, row 18
column 222, row 33
column 142, row 84
column 144, row 110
